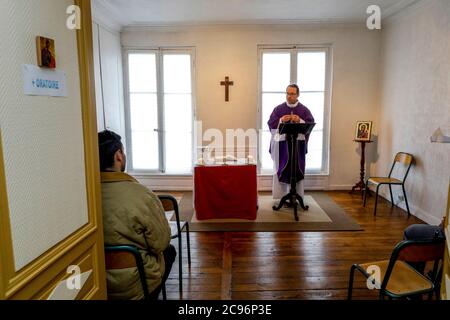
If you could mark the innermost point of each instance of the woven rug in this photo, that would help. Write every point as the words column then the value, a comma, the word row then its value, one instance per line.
column 323, row 215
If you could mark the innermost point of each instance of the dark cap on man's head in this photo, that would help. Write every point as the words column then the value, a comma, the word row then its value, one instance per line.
column 109, row 143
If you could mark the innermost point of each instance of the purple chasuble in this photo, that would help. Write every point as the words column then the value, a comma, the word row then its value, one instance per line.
column 284, row 171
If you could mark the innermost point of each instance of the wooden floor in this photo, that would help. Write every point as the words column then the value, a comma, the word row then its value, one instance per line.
column 289, row 265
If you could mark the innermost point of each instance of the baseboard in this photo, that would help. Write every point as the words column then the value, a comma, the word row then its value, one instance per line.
column 186, row 183
column 340, row 187
column 166, row 182
column 415, row 211
column 312, row 182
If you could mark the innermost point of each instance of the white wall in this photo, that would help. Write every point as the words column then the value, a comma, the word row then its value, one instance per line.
column 42, row 137
column 232, row 51
column 415, row 88
column 109, row 79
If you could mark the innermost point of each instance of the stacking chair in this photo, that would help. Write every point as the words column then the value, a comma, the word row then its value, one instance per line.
column 170, row 204
column 400, row 158
column 397, row 278
column 128, row 256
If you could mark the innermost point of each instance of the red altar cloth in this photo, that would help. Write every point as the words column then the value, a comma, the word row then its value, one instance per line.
column 225, row 192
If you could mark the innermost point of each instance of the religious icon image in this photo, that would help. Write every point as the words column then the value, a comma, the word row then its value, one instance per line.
column 46, row 52
column 363, row 130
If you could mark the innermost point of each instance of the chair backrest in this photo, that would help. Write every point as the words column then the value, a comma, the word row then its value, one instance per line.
column 404, row 158
column 126, row 256
column 169, row 203
column 415, row 251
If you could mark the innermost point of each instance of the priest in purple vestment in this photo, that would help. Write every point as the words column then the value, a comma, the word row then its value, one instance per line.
column 290, row 111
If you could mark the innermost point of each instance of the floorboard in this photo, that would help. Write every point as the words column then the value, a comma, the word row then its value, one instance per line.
column 289, row 265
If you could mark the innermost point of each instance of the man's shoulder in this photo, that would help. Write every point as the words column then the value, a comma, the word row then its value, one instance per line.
column 303, row 107
column 133, row 187
column 129, row 195
column 139, row 187
column 280, row 106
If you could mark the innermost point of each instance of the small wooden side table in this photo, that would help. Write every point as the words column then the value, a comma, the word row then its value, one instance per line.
column 361, row 185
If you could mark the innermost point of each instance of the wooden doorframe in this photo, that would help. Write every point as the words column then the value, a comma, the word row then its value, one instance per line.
column 85, row 247
column 6, row 250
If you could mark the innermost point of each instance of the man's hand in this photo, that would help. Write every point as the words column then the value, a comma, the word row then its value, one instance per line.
column 295, row 118
column 286, row 118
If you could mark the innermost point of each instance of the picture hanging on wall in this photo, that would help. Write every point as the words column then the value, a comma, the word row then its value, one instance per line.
column 46, row 52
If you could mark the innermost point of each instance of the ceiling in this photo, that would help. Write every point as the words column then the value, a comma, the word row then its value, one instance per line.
column 198, row 12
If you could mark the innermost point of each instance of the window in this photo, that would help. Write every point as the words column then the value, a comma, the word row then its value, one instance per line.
column 160, row 111
column 310, row 69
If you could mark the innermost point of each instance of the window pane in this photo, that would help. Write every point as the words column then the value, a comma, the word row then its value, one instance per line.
column 142, row 72
column 177, row 73
column 145, row 150
column 269, row 102
column 178, row 112
column 178, row 132
column 276, row 70
column 266, row 159
column 178, row 152
column 315, row 102
column 143, row 112
column 311, row 71
column 311, row 77
column 314, row 155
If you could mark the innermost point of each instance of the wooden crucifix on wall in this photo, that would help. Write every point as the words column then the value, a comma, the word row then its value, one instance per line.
column 227, row 83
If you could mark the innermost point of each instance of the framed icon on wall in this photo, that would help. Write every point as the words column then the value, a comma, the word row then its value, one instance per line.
column 46, row 52
column 363, row 130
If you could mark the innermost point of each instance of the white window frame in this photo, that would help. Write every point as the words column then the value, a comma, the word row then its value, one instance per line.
column 159, row 52
column 294, row 49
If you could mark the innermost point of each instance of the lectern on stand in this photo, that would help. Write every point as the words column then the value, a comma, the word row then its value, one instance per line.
column 292, row 130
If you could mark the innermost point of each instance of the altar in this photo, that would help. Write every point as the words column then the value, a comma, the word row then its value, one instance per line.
column 225, row 192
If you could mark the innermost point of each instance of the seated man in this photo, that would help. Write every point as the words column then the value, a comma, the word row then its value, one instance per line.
column 132, row 215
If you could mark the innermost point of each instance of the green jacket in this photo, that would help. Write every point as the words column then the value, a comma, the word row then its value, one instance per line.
column 133, row 215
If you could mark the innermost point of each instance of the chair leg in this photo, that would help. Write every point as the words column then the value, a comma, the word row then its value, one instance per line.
column 406, row 201
column 366, row 189
column 392, row 198
column 350, row 282
column 382, row 296
column 376, row 200
column 188, row 243
column 180, row 263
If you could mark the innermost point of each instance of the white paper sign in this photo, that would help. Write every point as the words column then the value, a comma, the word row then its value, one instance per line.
column 44, row 82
